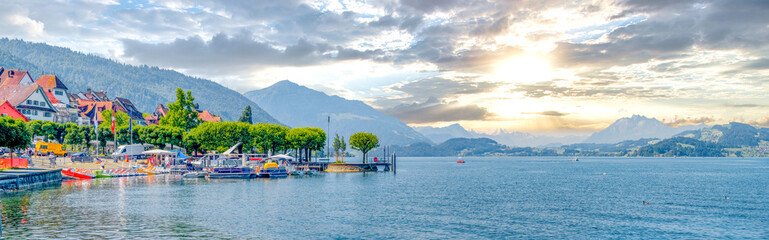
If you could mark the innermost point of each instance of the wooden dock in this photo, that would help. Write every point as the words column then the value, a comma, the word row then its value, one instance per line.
column 343, row 167
column 18, row 179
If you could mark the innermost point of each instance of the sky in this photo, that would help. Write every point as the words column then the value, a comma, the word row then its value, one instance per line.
column 555, row 67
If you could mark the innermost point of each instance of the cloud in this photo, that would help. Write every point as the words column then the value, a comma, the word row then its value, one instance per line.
column 434, row 110
column 236, row 51
column 548, row 113
column 553, row 89
column 672, row 28
column 677, row 122
column 439, row 87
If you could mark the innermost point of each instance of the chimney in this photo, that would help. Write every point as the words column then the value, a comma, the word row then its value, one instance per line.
column 89, row 90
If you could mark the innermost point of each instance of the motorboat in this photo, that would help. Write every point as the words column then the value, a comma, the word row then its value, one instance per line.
column 230, row 173
column 271, row 170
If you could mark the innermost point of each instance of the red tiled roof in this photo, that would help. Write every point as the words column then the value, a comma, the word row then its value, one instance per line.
column 49, row 82
column 51, row 97
column 208, row 117
column 161, row 111
column 6, row 79
column 15, row 94
column 86, row 107
column 150, row 120
column 8, row 109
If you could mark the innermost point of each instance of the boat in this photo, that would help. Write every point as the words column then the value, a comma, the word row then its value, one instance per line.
column 78, row 173
column 271, row 170
column 230, row 173
column 150, row 170
column 194, row 174
column 296, row 173
column 311, row 172
column 102, row 174
column 461, row 161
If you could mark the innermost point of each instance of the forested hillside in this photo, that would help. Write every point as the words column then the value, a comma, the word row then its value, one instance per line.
column 145, row 86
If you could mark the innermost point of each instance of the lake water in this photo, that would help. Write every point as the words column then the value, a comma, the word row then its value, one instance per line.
column 434, row 198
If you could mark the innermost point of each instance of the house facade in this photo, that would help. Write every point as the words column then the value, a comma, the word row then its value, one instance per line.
column 6, row 109
column 29, row 100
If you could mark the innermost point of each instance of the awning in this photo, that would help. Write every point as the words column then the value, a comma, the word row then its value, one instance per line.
column 159, row 152
column 180, row 154
column 282, row 156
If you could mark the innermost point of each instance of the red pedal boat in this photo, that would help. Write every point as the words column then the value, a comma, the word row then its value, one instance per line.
column 75, row 173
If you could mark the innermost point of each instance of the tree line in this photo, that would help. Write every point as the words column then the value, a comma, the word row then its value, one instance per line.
column 181, row 127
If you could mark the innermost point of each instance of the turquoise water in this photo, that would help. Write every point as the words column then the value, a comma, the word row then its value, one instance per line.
column 509, row 197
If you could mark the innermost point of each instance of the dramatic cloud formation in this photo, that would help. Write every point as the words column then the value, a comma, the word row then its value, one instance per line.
column 516, row 65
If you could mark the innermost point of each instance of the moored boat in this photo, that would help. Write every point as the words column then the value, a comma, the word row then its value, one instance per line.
column 78, row 173
column 230, row 173
column 271, row 170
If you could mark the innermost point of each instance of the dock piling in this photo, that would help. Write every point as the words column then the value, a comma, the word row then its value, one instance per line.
column 395, row 163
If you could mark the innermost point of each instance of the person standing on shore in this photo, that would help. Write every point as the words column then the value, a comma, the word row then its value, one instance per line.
column 52, row 159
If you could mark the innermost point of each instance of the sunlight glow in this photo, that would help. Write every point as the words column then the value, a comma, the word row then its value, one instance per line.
column 524, row 69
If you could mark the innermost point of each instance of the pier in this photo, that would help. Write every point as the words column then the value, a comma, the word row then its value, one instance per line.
column 18, row 179
column 343, row 167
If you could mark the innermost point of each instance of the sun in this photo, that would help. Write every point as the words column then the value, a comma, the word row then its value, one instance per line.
column 524, row 69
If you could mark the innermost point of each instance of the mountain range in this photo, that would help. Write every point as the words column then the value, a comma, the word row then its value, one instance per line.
column 145, row 86
column 297, row 105
column 637, row 127
column 624, row 129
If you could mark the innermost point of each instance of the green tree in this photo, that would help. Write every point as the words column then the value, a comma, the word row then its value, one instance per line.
column 182, row 113
column 121, row 119
column 88, row 135
column 305, row 140
column 35, row 128
column 364, row 142
column 52, row 131
column 14, row 134
column 160, row 135
column 246, row 116
column 190, row 142
column 339, row 148
column 73, row 134
column 268, row 138
column 219, row 136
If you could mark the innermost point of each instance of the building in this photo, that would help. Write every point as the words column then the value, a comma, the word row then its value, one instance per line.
column 208, row 117
column 54, row 88
column 6, row 109
column 56, row 91
column 30, row 100
column 126, row 106
column 89, row 95
column 90, row 100
column 161, row 111
column 12, row 77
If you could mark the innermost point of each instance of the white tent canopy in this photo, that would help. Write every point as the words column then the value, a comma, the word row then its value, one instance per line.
column 159, row 152
column 281, row 156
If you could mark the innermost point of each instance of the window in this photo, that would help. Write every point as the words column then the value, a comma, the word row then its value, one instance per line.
column 34, row 112
column 35, row 103
column 47, row 114
column 59, row 93
column 4, row 115
column 42, row 104
column 29, row 102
